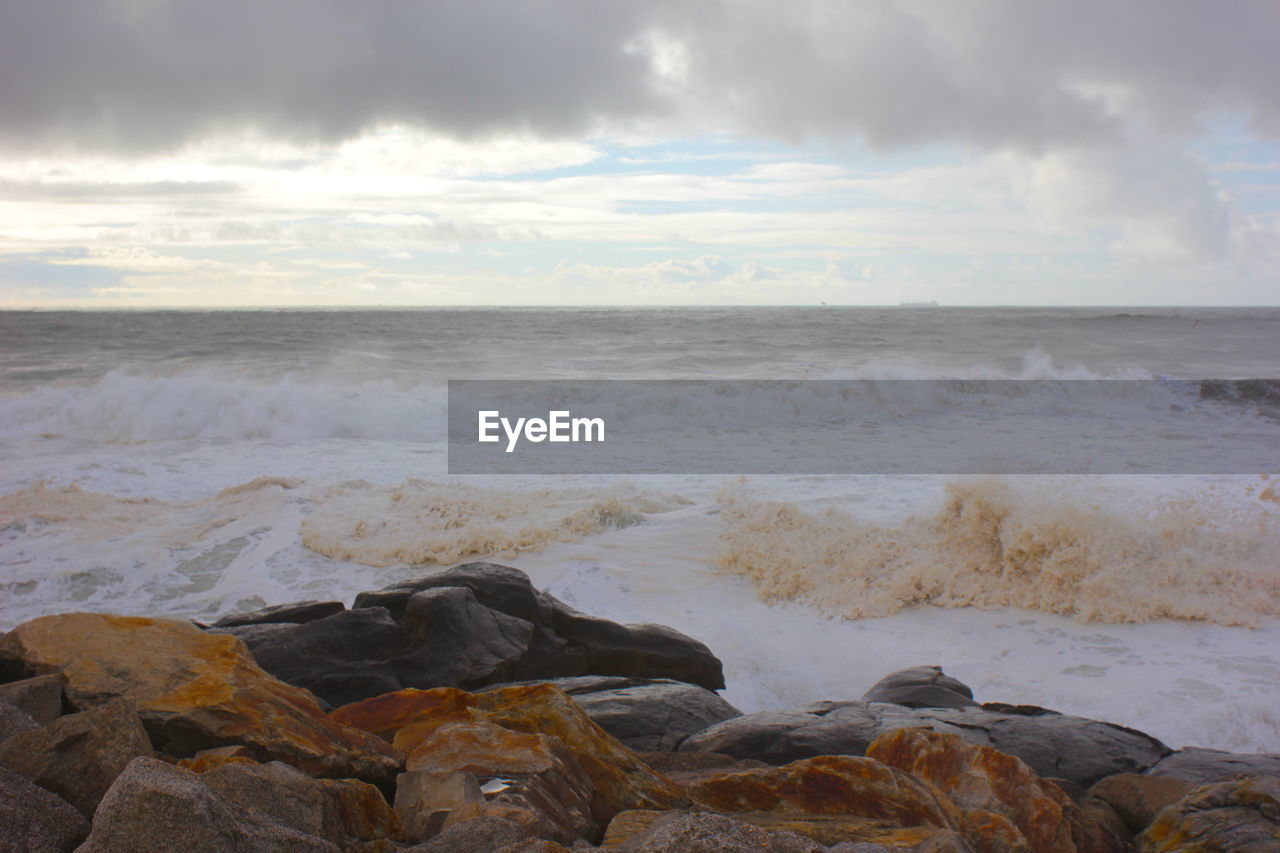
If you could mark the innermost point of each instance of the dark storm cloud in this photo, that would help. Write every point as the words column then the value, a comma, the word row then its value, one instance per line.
column 146, row 74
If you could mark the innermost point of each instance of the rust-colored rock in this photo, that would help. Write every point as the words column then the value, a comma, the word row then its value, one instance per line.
column 831, row 785
column 207, row 759
column 1238, row 814
column 192, row 690
column 983, row 779
column 536, row 771
column 620, row 779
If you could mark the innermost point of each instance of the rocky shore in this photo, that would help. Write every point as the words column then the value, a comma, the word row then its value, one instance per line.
column 467, row 711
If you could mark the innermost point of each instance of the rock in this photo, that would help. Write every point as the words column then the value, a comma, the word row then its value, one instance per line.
column 685, row 768
column 79, row 756
column 1138, row 797
column 650, row 715
column 296, row 613
column 424, row 799
column 39, row 697
column 1201, row 766
column 155, row 806
column 644, row 651
column 831, row 785
column 535, row 845
column 207, row 759
column 921, row 687
column 14, row 720
column 470, row 626
column 982, row 779
column 818, row 829
column 342, row 811
column 193, row 690
column 621, row 780
column 35, row 820
column 699, row 832
column 481, row 835
column 527, row 770
column 457, row 641
column 340, row 658
column 1239, row 814
column 1074, row 748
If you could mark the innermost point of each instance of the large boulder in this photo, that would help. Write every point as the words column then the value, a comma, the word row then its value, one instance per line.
column 1053, row 744
column 470, row 626
column 646, row 714
column 155, row 806
column 620, row 779
column 192, row 690
column 480, row 835
column 79, row 756
column 1201, row 766
column 921, row 687
column 35, row 820
column 14, row 720
column 984, row 782
column 1240, row 814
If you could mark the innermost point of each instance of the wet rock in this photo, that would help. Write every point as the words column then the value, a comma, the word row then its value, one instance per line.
column 340, row 658
column 346, row 812
column 700, row 832
column 645, row 651
column 831, row 785
column 982, row 779
column 651, row 715
column 458, row 641
column 921, row 687
column 1074, row 748
column 193, row 690
column 297, row 613
column 527, row 770
column 1239, row 814
column 35, row 820
column 158, row 806
column 14, row 720
column 1137, row 797
column 39, row 697
column 79, row 756
column 1201, row 766
column 621, row 780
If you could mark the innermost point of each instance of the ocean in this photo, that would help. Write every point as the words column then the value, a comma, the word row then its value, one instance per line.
column 193, row 463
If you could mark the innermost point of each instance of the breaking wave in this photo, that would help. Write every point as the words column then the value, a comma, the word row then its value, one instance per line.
column 1066, row 549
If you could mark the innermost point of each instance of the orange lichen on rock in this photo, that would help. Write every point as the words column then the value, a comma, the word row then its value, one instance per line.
column 389, row 713
column 981, row 779
column 193, row 690
column 831, row 785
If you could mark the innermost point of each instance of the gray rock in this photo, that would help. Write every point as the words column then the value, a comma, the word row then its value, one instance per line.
column 479, row 835
column 456, row 640
column 1073, row 748
column 154, row 806
column 704, row 832
column 14, row 720
column 424, row 799
column 340, row 658
column 39, row 697
column 921, row 687
column 654, row 715
column 1239, row 814
column 296, row 613
column 1200, row 766
column 34, row 820
column 79, row 756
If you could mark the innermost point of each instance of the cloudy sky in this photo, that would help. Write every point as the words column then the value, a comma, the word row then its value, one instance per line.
column 327, row 152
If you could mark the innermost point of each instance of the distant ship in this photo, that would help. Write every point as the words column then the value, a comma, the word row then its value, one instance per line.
column 917, row 305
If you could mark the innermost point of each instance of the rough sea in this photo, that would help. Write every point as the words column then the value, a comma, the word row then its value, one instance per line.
column 194, row 463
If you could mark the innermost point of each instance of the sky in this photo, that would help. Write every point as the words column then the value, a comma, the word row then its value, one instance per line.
column 162, row 153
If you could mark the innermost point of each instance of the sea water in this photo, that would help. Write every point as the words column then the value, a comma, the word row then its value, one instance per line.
column 193, row 463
